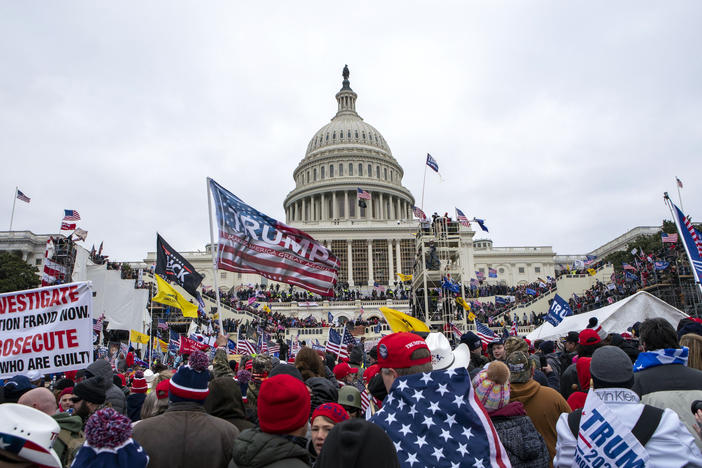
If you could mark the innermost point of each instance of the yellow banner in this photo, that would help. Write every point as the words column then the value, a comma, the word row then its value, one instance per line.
column 161, row 343
column 404, row 277
column 137, row 337
column 471, row 316
column 462, row 302
column 591, row 271
column 266, row 309
column 400, row 322
column 167, row 295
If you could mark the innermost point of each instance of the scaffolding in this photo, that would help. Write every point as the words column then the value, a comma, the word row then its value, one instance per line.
column 64, row 255
column 437, row 258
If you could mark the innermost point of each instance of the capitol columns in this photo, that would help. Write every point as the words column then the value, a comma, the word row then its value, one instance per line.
column 391, row 267
column 335, row 209
column 323, row 208
column 349, row 262
column 371, row 278
column 398, row 256
column 347, row 210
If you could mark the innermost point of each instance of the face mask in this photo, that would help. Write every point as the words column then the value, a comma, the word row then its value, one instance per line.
column 376, row 387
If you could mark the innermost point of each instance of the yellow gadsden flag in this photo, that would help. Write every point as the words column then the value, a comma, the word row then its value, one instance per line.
column 592, row 271
column 167, row 295
column 160, row 343
column 400, row 322
column 404, row 277
column 137, row 337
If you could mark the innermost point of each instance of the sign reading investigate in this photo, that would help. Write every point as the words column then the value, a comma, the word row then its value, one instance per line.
column 46, row 329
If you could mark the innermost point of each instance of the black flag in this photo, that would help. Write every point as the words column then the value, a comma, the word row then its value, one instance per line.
column 172, row 266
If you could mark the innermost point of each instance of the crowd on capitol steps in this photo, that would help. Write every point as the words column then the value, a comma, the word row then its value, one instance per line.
column 588, row 399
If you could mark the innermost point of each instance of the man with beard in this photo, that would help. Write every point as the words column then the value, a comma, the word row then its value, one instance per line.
column 89, row 397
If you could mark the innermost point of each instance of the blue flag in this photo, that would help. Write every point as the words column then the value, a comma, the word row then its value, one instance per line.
column 450, row 285
column 691, row 240
column 658, row 266
column 631, row 276
column 330, row 317
column 481, row 223
column 434, row 419
column 558, row 311
column 530, row 292
column 501, row 300
column 431, row 162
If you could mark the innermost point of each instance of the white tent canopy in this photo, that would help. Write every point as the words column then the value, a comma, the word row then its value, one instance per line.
column 614, row 318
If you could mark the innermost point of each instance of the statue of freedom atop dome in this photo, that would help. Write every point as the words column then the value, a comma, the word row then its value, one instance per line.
column 346, row 72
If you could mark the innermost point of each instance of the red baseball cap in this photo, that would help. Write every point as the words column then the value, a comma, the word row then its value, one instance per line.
column 396, row 350
column 589, row 337
column 370, row 372
column 341, row 370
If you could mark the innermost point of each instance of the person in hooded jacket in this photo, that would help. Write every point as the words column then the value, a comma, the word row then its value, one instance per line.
column 523, row 443
column 224, row 401
column 321, row 391
column 588, row 342
column 358, row 443
column 279, row 442
column 113, row 395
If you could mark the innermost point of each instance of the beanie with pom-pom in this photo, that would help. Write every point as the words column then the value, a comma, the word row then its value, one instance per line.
column 109, row 443
column 139, row 384
column 190, row 382
column 492, row 386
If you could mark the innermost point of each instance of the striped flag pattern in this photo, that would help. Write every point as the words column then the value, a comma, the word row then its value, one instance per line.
column 71, row 215
column 23, row 197
column 418, row 213
column 334, row 344
column 484, row 333
column 462, row 218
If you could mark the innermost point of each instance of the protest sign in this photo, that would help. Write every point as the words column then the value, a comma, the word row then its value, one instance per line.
column 46, row 329
column 187, row 346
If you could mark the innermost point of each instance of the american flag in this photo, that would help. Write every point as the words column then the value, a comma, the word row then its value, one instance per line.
column 484, row 333
column 334, row 344
column 162, row 324
column 349, row 339
column 419, row 414
column 68, row 226
column 22, row 196
column 252, row 242
column 462, row 218
column 245, row 347
column 456, row 332
column 418, row 213
column 365, row 400
column 680, row 184
column 97, row 324
column 492, row 272
column 71, row 215
column 480, row 275
column 513, row 331
column 174, row 342
column 363, row 194
column 626, row 266
column 263, row 344
column 274, row 349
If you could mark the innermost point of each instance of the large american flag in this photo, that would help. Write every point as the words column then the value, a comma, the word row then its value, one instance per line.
column 669, row 238
column 363, row 194
column 252, row 242
column 71, row 215
column 434, row 419
column 418, row 213
column 484, row 333
column 334, row 344
column 462, row 218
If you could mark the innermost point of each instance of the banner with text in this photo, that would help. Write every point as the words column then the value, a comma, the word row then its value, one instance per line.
column 46, row 329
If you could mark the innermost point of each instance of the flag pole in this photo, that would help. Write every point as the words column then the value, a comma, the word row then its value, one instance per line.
column 214, row 256
column 14, row 202
column 423, row 184
column 677, row 183
column 668, row 202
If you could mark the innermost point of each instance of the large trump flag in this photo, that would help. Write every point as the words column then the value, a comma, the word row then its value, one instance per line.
column 252, row 242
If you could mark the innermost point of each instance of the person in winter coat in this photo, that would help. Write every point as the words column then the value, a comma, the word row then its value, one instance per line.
column 321, row 391
column 548, row 350
column 661, row 376
column 279, row 442
column 670, row 445
column 114, row 396
column 185, row 435
column 224, row 401
column 577, row 399
column 523, row 443
column 475, row 346
column 588, row 342
column 358, row 443
column 542, row 404
column 568, row 353
column 136, row 397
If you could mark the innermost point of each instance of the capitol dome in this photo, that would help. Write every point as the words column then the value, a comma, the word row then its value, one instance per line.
column 344, row 155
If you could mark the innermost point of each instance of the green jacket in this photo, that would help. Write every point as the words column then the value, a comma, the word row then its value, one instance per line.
column 70, row 437
column 256, row 449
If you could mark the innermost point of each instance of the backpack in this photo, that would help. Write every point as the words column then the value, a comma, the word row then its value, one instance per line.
column 73, row 443
column 643, row 429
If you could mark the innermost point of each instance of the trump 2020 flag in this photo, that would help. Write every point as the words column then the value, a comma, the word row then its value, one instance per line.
column 558, row 311
column 252, row 242
column 434, row 419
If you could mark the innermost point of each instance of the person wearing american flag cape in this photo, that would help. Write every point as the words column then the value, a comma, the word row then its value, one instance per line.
column 433, row 416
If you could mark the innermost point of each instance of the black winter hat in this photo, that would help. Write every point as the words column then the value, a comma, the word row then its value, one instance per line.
column 323, row 391
column 63, row 383
column 573, row 337
column 611, row 367
column 356, row 356
column 283, row 368
column 91, row 390
column 357, row 443
column 471, row 340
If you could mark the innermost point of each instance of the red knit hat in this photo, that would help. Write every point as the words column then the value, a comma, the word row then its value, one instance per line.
column 66, row 391
column 343, row 369
column 334, row 411
column 139, row 384
column 283, row 404
column 589, row 337
column 162, row 389
column 395, row 350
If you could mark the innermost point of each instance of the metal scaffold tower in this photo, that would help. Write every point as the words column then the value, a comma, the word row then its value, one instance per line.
column 440, row 255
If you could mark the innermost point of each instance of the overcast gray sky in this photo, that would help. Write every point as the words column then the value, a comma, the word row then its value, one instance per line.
column 560, row 123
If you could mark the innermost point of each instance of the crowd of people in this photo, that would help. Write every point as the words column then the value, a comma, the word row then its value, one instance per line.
column 412, row 400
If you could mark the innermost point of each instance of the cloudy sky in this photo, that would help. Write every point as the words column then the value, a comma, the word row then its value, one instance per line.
column 560, row 123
